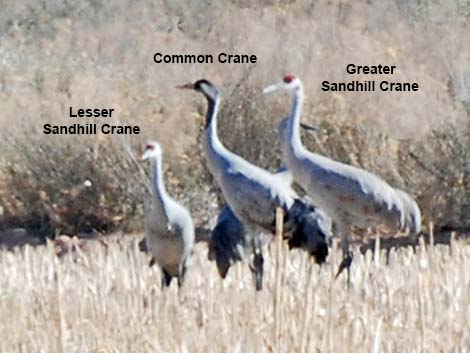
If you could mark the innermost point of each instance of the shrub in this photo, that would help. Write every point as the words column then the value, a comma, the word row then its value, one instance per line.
column 65, row 185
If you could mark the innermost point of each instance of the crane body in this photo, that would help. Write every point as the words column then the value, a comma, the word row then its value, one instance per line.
column 252, row 193
column 351, row 196
column 169, row 229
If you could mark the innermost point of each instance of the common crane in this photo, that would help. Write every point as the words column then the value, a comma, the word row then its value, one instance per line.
column 252, row 193
column 169, row 229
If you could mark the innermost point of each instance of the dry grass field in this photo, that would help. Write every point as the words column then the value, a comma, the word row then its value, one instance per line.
column 106, row 299
column 103, row 297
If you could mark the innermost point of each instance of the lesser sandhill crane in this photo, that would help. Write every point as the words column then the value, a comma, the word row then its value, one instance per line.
column 252, row 193
column 310, row 230
column 169, row 229
column 351, row 196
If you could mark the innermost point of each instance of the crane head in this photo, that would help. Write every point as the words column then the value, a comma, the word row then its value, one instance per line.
column 289, row 83
column 152, row 149
column 203, row 86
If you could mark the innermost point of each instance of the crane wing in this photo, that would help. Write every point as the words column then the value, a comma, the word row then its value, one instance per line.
column 352, row 190
column 254, row 200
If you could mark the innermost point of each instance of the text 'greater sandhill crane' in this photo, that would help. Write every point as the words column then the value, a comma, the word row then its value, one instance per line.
column 169, row 229
column 351, row 196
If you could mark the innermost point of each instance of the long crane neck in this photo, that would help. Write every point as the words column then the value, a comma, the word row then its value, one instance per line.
column 211, row 118
column 293, row 128
column 216, row 153
column 160, row 199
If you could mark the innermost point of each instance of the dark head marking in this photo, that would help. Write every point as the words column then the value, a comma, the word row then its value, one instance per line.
column 198, row 84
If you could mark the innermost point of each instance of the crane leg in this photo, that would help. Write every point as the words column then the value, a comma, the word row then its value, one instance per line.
column 182, row 273
column 347, row 259
column 258, row 264
column 346, row 264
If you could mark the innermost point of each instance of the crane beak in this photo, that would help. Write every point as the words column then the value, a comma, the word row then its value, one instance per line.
column 272, row 88
column 186, row 86
column 309, row 127
column 145, row 155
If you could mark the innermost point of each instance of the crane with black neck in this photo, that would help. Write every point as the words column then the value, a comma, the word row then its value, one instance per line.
column 252, row 193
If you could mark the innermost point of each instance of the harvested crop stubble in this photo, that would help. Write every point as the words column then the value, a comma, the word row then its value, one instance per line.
column 106, row 298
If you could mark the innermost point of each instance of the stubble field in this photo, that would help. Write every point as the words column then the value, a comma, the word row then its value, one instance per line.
column 105, row 298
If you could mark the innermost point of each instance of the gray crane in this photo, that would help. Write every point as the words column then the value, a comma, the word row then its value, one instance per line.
column 169, row 229
column 252, row 193
column 310, row 230
column 351, row 196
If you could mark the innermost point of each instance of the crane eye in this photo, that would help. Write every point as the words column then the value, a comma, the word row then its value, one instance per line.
column 149, row 147
column 288, row 78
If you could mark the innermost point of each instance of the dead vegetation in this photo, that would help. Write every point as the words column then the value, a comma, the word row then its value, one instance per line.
column 49, row 195
column 106, row 298
column 45, row 180
column 60, row 54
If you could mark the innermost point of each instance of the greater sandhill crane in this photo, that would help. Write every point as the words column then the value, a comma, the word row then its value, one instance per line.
column 169, row 229
column 310, row 230
column 351, row 196
column 252, row 193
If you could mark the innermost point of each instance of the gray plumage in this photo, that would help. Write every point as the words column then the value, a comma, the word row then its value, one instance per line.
column 169, row 229
column 412, row 220
column 252, row 193
column 309, row 229
column 349, row 195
